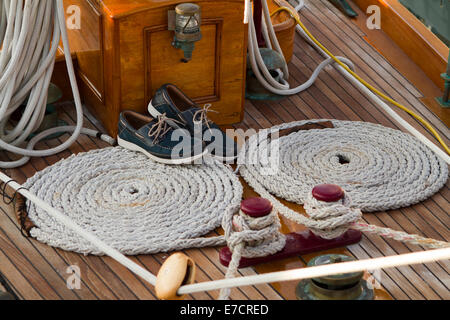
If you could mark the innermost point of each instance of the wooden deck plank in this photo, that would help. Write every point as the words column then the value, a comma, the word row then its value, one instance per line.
column 37, row 271
column 32, row 274
column 18, row 282
column 52, row 270
column 388, row 247
column 431, row 273
column 376, row 68
column 325, row 11
column 388, row 283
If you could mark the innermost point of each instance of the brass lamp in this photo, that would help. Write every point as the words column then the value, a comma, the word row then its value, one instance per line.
column 186, row 22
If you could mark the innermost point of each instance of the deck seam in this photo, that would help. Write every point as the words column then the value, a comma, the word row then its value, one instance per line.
column 381, row 83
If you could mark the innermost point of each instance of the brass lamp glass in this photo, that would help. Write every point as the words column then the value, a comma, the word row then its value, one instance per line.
column 187, row 22
column 187, row 28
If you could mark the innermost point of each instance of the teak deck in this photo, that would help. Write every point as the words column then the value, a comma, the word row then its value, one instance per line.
column 37, row 271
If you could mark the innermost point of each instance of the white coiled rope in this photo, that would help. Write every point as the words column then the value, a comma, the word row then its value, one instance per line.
column 132, row 203
column 380, row 168
column 332, row 219
column 30, row 32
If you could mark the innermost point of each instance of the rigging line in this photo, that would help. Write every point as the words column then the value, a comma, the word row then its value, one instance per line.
column 69, row 223
column 297, row 274
column 320, row 271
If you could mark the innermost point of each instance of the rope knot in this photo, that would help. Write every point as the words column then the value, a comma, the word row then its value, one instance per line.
column 260, row 236
column 250, row 237
column 330, row 220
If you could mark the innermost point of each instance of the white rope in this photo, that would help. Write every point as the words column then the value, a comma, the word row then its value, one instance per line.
column 30, row 36
column 321, row 271
column 88, row 236
column 250, row 238
column 415, row 239
column 380, row 168
column 347, row 217
column 260, row 70
column 134, row 204
column 333, row 218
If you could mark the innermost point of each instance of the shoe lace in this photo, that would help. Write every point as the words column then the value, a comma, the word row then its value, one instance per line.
column 201, row 116
column 161, row 128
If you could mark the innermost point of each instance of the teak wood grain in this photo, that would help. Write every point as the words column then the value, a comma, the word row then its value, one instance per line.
column 37, row 271
column 419, row 43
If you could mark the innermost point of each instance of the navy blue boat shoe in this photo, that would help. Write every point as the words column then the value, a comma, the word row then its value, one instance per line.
column 219, row 144
column 183, row 112
column 158, row 140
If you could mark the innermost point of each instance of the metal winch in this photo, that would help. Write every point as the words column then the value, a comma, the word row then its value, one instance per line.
column 349, row 286
column 255, row 90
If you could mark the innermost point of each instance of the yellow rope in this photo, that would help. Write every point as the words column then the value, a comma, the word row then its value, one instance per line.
column 365, row 83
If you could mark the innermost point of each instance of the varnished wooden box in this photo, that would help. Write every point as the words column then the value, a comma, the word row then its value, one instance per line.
column 124, row 54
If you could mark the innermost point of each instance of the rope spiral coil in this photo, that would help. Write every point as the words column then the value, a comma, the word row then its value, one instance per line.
column 136, row 205
column 380, row 168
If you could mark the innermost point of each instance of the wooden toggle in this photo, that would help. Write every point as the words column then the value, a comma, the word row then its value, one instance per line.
column 176, row 271
column 297, row 243
column 20, row 210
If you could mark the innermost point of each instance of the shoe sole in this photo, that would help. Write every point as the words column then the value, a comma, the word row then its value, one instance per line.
column 131, row 146
column 223, row 159
column 155, row 114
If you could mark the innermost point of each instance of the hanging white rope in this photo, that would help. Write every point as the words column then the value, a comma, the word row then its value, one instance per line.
column 30, row 32
column 259, row 68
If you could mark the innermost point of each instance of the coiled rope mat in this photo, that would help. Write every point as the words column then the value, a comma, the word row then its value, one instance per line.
column 380, row 168
column 132, row 203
